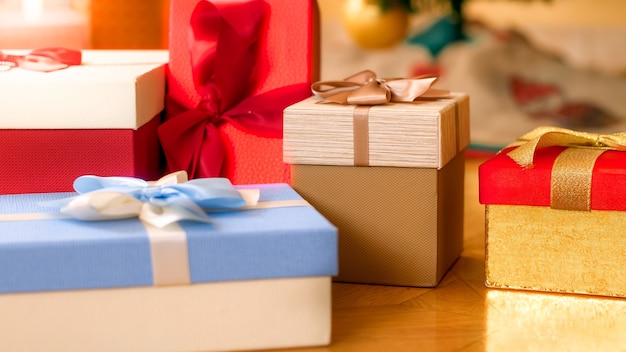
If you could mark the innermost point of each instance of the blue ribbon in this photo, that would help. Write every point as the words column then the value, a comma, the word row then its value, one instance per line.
column 162, row 202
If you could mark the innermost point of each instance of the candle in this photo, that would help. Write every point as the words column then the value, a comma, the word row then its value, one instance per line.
column 32, row 10
column 30, row 24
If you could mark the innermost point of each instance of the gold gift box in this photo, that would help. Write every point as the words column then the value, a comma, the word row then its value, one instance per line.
column 400, row 218
column 544, row 249
column 555, row 214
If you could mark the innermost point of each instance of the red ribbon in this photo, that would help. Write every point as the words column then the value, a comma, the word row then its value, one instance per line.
column 44, row 60
column 223, row 45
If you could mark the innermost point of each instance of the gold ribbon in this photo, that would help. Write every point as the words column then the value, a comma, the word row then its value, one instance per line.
column 364, row 90
column 570, row 183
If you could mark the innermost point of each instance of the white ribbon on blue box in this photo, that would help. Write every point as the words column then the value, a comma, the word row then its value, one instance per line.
column 41, row 250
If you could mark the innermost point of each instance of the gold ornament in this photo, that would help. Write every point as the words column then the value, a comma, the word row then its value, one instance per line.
column 372, row 27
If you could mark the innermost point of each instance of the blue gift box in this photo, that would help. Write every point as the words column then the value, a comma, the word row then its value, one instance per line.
column 45, row 253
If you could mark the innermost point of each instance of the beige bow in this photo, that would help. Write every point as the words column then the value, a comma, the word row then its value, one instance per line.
column 364, row 88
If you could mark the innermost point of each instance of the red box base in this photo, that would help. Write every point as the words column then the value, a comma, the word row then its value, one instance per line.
column 44, row 161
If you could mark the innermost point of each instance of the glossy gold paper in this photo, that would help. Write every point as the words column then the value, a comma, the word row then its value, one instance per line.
column 543, row 322
column 539, row 248
column 397, row 226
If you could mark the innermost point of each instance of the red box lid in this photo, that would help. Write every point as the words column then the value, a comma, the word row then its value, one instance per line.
column 502, row 181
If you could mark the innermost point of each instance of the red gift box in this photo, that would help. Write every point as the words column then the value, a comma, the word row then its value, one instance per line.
column 502, row 181
column 234, row 66
column 98, row 116
column 35, row 160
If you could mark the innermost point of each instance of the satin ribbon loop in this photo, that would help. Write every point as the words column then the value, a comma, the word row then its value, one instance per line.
column 159, row 203
column 44, row 60
column 364, row 88
column 374, row 92
column 542, row 137
column 170, row 179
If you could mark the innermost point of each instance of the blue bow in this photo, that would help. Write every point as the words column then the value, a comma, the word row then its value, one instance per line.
column 170, row 199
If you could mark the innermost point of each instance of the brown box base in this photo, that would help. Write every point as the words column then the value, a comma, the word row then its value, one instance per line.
column 397, row 226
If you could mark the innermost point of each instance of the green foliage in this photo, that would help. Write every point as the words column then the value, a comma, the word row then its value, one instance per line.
column 406, row 4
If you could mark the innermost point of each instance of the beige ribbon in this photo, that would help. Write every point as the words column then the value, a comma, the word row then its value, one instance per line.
column 570, row 183
column 364, row 90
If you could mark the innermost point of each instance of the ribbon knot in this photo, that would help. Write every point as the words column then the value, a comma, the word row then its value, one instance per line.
column 160, row 203
column 364, row 88
column 210, row 109
column 210, row 102
column 151, row 193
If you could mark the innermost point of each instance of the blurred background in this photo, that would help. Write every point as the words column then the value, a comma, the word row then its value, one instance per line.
column 524, row 63
column 83, row 24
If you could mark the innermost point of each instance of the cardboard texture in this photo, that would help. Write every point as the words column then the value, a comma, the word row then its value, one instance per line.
column 288, row 55
column 397, row 226
column 556, row 226
column 79, row 285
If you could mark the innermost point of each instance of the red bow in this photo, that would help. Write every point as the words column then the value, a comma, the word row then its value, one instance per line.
column 44, row 60
column 223, row 45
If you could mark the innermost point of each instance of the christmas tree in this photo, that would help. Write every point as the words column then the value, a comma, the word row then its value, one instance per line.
column 392, row 17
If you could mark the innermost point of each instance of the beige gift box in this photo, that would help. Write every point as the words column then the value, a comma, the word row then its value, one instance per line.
column 215, row 316
column 400, row 218
column 111, row 89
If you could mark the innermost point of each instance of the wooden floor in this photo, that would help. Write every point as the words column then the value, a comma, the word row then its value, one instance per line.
column 462, row 315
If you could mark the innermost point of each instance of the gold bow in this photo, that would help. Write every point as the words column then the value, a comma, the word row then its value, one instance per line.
column 364, row 88
column 554, row 136
column 570, row 182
